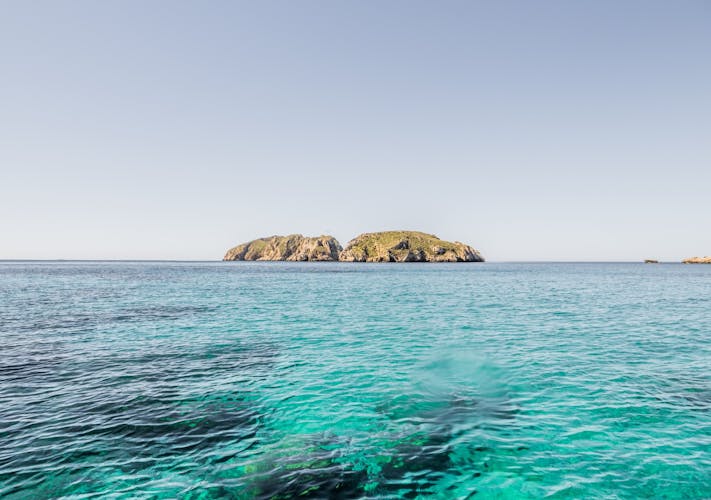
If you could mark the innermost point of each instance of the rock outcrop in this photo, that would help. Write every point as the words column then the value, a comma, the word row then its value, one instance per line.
column 697, row 260
column 406, row 246
column 294, row 247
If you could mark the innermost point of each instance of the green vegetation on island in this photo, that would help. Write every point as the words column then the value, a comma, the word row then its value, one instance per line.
column 407, row 246
column 386, row 246
column 293, row 247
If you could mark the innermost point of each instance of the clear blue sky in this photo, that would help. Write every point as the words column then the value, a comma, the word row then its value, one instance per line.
column 553, row 130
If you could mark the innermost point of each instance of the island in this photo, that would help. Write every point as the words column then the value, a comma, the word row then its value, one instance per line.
column 294, row 247
column 651, row 261
column 697, row 260
column 385, row 246
column 407, row 246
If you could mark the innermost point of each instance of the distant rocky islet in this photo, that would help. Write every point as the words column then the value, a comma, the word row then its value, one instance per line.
column 697, row 260
column 386, row 246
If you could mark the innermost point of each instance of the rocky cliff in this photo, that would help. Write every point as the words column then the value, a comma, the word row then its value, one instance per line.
column 294, row 247
column 407, row 246
column 697, row 260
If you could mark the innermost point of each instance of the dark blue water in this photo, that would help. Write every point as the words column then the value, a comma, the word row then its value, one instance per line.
column 310, row 380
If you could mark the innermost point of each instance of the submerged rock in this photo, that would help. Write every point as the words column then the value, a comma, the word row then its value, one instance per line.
column 407, row 246
column 315, row 469
column 697, row 260
column 294, row 247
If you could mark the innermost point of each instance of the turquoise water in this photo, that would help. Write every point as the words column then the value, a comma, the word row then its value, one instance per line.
column 313, row 380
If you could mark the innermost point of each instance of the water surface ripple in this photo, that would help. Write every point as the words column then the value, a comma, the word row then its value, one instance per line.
column 313, row 380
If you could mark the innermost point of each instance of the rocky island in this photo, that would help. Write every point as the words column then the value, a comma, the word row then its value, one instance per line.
column 697, row 260
column 386, row 246
column 407, row 246
column 294, row 247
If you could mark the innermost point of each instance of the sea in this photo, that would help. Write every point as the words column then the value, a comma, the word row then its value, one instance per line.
column 199, row 380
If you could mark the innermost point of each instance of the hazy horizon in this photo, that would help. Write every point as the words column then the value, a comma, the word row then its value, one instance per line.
column 550, row 131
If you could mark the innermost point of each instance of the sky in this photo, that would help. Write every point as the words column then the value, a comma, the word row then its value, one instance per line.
column 551, row 130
